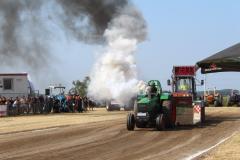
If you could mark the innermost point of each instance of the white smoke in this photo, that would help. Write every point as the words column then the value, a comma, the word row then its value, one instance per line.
column 114, row 75
column 143, row 87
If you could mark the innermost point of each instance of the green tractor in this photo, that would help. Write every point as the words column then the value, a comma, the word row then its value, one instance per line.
column 152, row 109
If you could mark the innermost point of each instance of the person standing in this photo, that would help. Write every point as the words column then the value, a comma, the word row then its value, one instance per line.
column 9, row 107
column 50, row 104
column 11, row 101
column 22, row 105
column 16, row 107
column 79, row 104
column 71, row 104
column 41, row 103
column 34, row 104
column 28, row 103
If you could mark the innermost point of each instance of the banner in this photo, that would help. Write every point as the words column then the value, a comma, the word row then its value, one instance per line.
column 3, row 110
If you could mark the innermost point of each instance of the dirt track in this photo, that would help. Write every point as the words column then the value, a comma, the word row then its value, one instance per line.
column 110, row 140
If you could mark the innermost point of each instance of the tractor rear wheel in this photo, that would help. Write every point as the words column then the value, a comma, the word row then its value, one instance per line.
column 161, row 122
column 168, row 122
column 216, row 103
column 206, row 104
column 130, row 122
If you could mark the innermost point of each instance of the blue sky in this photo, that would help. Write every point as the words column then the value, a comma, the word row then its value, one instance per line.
column 179, row 33
column 184, row 32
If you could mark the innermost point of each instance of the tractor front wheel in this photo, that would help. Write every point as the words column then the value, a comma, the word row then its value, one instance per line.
column 130, row 122
column 161, row 122
column 135, row 108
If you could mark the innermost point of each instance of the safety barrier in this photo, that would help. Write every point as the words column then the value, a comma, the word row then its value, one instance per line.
column 3, row 110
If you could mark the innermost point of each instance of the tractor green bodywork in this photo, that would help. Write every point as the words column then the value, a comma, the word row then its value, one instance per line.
column 151, row 105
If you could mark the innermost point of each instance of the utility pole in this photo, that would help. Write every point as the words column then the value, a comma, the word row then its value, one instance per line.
column 205, row 87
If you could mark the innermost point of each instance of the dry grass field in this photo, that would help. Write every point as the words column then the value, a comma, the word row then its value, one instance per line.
column 33, row 122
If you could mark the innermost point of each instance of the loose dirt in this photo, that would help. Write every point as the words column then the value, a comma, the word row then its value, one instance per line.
column 101, row 135
column 33, row 122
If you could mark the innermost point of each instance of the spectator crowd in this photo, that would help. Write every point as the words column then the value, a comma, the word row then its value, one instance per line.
column 45, row 104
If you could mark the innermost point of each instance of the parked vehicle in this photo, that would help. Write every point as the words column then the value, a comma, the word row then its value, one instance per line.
column 233, row 98
column 214, row 98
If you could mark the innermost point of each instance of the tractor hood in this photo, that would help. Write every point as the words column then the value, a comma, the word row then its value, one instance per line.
column 165, row 96
column 144, row 100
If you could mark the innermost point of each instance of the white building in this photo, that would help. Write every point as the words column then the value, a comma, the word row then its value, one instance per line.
column 15, row 85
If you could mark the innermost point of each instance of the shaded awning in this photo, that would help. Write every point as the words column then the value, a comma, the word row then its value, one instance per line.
column 227, row 60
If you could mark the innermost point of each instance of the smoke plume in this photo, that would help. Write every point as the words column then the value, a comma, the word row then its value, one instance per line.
column 115, row 74
column 87, row 20
column 25, row 31
column 22, row 33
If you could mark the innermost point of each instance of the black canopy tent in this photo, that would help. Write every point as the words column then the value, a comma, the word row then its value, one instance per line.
column 227, row 60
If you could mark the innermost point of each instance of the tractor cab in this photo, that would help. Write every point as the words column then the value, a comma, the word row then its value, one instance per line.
column 183, row 82
column 184, row 95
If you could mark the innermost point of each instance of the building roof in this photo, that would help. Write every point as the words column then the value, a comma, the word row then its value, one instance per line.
column 227, row 60
column 13, row 74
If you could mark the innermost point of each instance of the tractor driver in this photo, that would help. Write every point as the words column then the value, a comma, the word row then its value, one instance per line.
column 184, row 85
column 153, row 89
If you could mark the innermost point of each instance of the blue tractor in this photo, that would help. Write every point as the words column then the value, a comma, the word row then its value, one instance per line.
column 59, row 99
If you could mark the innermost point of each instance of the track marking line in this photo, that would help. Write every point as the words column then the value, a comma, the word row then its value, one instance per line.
column 44, row 129
column 210, row 148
